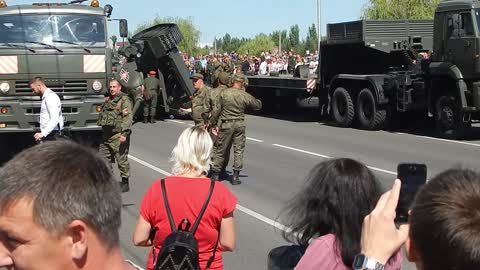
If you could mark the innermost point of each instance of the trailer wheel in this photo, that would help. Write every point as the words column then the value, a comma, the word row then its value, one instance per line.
column 342, row 107
column 449, row 119
column 368, row 115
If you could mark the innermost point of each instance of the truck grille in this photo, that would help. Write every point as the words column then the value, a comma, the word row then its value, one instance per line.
column 60, row 86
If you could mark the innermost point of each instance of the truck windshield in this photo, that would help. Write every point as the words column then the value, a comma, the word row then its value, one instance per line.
column 84, row 30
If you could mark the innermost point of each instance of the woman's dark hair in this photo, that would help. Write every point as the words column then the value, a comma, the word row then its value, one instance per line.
column 337, row 196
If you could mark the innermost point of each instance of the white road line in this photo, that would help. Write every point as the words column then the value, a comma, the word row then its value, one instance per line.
column 176, row 121
column 301, row 151
column 192, row 125
column 442, row 140
column 253, row 139
column 328, row 157
column 239, row 207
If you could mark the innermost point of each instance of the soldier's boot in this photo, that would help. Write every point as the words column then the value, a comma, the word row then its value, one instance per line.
column 215, row 176
column 223, row 174
column 236, row 178
column 124, row 186
column 152, row 119
column 145, row 119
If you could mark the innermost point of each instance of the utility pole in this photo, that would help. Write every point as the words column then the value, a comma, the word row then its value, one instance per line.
column 319, row 26
column 280, row 43
column 215, row 45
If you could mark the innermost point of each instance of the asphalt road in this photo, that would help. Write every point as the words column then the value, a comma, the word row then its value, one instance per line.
column 278, row 156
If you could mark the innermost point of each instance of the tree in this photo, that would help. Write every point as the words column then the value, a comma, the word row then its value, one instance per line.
column 275, row 36
column 257, row 45
column 311, row 41
column 294, row 38
column 400, row 9
column 191, row 35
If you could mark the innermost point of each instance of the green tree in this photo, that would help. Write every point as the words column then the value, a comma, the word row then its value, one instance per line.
column 257, row 45
column 294, row 38
column 311, row 41
column 275, row 36
column 191, row 35
column 400, row 9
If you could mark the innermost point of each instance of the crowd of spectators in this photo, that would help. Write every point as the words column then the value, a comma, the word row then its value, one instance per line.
column 266, row 63
column 60, row 208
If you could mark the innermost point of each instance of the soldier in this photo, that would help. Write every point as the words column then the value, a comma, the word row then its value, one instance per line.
column 116, row 122
column 211, row 96
column 136, row 95
column 152, row 88
column 291, row 62
column 230, row 109
column 198, row 99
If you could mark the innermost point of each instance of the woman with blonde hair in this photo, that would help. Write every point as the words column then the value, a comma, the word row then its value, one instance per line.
column 187, row 191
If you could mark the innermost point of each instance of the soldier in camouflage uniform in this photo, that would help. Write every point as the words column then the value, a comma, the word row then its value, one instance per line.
column 198, row 99
column 116, row 122
column 211, row 95
column 230, row 108
column 150, row 94
column 136, row 95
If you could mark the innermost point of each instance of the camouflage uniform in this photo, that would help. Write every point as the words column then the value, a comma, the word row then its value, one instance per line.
column 198, row 101
column 137, row 98
column 116, row 120
column 211, row 95
column 230, row 108
column 152, row 88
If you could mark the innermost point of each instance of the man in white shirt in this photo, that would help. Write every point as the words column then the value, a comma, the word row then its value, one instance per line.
column 263, row 67
column 51, row 117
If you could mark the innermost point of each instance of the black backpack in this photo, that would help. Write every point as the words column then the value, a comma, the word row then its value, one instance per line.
column 285, row 257
column 180, row 249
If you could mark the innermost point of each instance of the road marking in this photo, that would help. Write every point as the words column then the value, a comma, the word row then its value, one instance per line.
column 253, row 139
column 442, row 140
column 328, row 157
column 239, row 207
column 301, row 151
column 192, row 125
column 176, row 121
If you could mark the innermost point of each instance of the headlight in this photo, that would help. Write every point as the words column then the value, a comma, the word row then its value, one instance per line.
column 4, row 87
column 97, row 86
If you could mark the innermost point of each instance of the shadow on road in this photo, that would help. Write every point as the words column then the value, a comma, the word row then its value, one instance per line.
column 409, row 123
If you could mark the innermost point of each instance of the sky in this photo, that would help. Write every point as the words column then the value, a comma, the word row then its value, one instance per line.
column 240, row 18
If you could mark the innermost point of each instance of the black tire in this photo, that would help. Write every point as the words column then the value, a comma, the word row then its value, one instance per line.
column 449, row 118
column 369, row 116
column 342, row 107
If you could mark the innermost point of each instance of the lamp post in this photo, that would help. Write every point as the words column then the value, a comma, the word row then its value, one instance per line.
column 319, row 26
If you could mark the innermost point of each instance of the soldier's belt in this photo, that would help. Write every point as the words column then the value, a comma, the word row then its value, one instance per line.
column 110, row 129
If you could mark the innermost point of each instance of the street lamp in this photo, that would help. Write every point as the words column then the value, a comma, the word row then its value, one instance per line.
column 319, row 26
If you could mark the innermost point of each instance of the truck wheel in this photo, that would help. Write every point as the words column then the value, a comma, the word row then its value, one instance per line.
column 449, row 118
column 368, row 115
column 342, row 107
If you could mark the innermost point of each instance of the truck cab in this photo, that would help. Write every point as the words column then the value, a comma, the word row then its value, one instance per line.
column 66, row 44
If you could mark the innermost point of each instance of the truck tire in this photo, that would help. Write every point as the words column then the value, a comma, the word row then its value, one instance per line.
column 368, row 115
column 342, row 107
column 449, row 118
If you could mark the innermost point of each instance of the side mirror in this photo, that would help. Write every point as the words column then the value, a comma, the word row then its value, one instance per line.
column 123, row 28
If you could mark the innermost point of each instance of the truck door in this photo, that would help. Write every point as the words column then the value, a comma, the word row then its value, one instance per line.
column 460, row 41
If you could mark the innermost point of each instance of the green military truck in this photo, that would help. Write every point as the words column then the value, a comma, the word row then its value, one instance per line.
column 372, row 69
column 67, row 45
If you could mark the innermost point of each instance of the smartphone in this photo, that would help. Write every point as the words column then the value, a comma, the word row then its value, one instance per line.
column 413, row 176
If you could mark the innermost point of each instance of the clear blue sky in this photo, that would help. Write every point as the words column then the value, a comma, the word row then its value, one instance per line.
column 240, row 18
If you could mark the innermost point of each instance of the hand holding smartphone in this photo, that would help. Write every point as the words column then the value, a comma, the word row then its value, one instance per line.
column 413, row 176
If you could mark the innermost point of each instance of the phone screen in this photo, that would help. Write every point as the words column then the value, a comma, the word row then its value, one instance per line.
column 413, row 176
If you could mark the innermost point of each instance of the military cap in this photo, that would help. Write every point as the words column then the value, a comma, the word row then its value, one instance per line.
column 224, row 78
column 197, row 76
column 238, row 77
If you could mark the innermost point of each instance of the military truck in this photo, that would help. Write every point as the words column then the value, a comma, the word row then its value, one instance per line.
column 67, row 45
column 372, row 69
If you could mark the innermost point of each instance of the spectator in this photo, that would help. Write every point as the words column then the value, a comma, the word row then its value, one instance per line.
column 327, row 214
column 60, row 213
column 188, row 189
column 262, row 70
column 444, row 226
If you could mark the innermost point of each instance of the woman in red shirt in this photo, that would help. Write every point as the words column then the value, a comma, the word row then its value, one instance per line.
column 187, row 191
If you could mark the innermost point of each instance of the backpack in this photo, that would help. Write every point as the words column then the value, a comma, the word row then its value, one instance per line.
column 180, row 249
column 285, row 257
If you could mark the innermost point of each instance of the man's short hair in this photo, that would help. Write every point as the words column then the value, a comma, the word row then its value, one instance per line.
column 445, row 221
column 65, row 182
column 37, row 79
column 115, row 80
